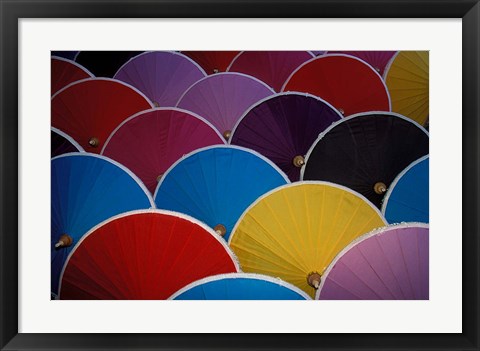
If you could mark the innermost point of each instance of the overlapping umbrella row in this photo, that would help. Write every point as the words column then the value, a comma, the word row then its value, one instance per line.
column 213, row 139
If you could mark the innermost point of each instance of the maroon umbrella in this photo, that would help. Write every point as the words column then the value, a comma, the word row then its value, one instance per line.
column 149, row 142
column 388, row 264
column 283, row 127
column 271, row 67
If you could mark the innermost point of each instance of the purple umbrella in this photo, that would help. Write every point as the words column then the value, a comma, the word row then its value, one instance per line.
column 388, row 264
column 283, row 127
column 222, row 98
column 377, row 59
column 163, row 76
column 271, row 67
column 62, row 143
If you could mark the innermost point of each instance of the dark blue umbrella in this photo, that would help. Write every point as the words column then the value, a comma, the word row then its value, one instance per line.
column 86, row 190
column 216, row 184
column 240, row 286
column 407, row 198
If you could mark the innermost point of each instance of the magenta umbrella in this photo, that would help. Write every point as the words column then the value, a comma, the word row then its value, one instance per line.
column 222, row 98
column 149, row 142
column 377, row 59
column 388, row 264
column 271, row 67
column 163, row 76
column 283, row 127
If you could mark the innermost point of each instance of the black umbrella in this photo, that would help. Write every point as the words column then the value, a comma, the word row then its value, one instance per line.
column 365, row 152
column 104, row 63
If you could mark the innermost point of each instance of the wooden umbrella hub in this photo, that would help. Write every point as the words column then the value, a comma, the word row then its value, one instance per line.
column 159, row 177
column 156, row 104
column 65, row 240
column 220, row 229
column 380, row 188
column 93, row 142
column 342, row 111
column 298, row 161
column 314, row 279
column 227, row 134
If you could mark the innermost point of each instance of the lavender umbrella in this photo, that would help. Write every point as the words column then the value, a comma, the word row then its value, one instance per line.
column 388, row 264
column 222, row 98
column 163, row 76
column 283, row 127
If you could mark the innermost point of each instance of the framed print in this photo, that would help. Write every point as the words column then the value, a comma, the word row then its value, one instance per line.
column 339, row 211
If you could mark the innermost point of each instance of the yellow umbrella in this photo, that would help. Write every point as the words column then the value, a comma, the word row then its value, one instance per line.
column 296, row 230
column 407, row 81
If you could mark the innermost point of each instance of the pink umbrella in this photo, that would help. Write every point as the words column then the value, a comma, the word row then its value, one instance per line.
column 388, row 264
column 222, row 98
column 163, row 76
column 149, row 142
column 377, row 59
column 271, row 67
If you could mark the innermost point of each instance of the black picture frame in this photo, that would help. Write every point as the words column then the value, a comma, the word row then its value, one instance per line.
column 12, row 10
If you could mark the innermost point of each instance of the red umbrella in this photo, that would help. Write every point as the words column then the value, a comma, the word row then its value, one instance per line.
column 65, row 71
column 143, row 255
column 212, row 61
column 90, row 109
column 348, row 83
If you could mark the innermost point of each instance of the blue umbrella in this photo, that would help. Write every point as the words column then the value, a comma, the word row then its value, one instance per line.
column 86, row 190
column 240, row 286
column 216, row 184
column 407, row 197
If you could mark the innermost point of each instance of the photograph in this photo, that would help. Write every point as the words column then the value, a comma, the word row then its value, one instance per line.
column 240, row 175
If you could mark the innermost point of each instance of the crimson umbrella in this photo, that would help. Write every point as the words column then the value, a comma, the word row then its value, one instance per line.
column 65, row 71
column 143, row 255
column 222, row 98
column 283, row 127
column 377, row 59
column 62, row 143
column 163, row 76
column 271, row 67
column 348, row 83
column 365, row 152
column 90, row 109
column 212, row 61
column 388, row 264
column 104, row 63
column 149, row 142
